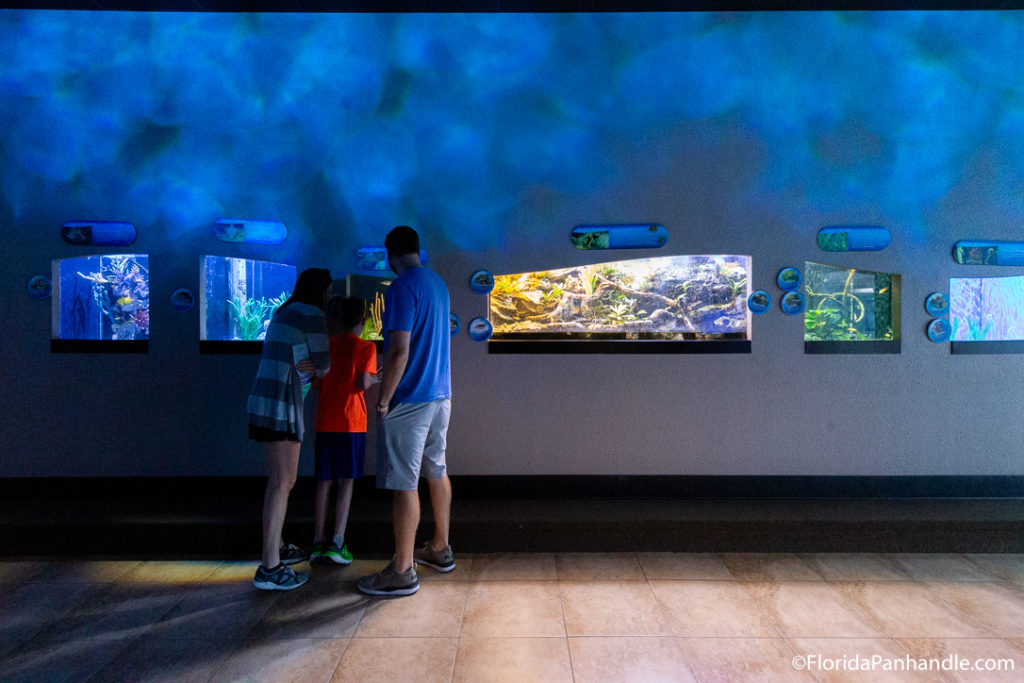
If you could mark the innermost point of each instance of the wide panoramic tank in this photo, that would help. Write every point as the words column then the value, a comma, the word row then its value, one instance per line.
column 104, row 297
column 240, row 295
column 664, row 298
column 845, row 304
column 987, row 309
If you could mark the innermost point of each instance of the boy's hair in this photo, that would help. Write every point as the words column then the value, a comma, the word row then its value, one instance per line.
column 402, row 240
column 349, row 312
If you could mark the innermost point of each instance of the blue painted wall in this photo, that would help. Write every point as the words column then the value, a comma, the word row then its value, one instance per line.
column 494, row 135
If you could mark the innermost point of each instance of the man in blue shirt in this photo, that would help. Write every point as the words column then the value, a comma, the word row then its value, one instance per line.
column 414, row 406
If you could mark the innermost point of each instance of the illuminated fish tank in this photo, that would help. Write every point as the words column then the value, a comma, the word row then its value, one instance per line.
column 102, row 298
column 987, row 314
column 370, row 289
column 238, row 297
column 850, row 310
column 674, row 304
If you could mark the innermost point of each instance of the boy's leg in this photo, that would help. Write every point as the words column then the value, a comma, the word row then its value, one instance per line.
column 344, row 501
column 322, row 467
column 323, row 496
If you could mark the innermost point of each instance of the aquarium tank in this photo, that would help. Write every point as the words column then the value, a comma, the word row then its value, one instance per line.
column 103, row 297
column 850, row 305
column 986, row 309
column 371, row 289
column 670, row 298
column 239, row 296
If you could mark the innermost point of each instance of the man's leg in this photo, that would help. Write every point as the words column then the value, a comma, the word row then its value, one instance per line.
column 441, row 504
column 406, row 514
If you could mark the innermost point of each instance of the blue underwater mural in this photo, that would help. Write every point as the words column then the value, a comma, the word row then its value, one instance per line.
column 460, row 122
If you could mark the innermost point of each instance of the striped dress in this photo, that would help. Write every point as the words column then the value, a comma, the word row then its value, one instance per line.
column 275, row 401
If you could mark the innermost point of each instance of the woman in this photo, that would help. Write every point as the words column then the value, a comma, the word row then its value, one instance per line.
column 297, row 330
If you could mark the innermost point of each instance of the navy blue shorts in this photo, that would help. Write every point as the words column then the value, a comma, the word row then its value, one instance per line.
column 339, row 455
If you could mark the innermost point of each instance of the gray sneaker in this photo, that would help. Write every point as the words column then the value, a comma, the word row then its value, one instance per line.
column 284, row 578
column 390, row 582
column 441, row 560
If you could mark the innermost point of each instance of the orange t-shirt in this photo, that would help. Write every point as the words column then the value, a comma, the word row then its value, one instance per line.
column 340, row 407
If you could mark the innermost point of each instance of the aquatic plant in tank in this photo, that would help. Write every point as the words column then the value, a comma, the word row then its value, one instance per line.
column 987, row 308
column 665, row 298
column 846, row 304
column 239, row 296
column 104, row 297
column 371, row 290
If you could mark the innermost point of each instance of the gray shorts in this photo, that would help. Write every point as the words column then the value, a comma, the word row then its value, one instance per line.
column 414, row 443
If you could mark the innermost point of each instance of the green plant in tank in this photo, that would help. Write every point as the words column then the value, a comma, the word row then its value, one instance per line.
column 251, row 316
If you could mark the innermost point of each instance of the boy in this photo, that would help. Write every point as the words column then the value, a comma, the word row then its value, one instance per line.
column 341, row 422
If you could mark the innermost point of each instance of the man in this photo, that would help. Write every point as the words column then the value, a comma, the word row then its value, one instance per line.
column 414, row 405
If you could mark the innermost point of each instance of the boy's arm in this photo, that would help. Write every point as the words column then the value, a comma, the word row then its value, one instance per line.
column 364, row 381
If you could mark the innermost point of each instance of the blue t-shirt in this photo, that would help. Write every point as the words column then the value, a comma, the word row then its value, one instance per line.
column 417, row 302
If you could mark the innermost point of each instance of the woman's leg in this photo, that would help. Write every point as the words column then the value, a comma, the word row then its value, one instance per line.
column 282, row 469
column 341, row 508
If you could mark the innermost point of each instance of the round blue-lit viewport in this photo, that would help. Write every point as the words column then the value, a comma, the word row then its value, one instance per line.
column 937, row 304
column 481, row 282
column 792, row 303
column 40, row 287
column 480, row 329
column 789, row 279
column 759, row 301
column 183, row 300
column 939, row 330
column 454, row 324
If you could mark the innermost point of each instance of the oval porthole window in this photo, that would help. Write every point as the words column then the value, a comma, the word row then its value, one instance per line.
column 454, row 324
column 759, row 301
column 937, row 304
column 789, row 279
column 182, row 300
column 481, row 282
column 792, row 303
column 480, row 329
column 40, row 287
column 939, row 330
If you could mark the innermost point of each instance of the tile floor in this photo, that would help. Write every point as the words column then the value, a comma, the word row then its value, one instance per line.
column 520, row 617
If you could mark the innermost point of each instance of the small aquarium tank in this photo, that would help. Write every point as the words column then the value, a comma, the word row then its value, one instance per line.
column 986, row 309
column 850, row 305
column 238, row 297
column 370, row 289
column 103, row 297
column 665, row 298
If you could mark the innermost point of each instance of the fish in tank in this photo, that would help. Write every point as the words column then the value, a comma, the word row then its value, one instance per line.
column 660, row 298
column 987, row 308
column 104, row 297
column 239, row 296
column 846, row 304
column 370, row 289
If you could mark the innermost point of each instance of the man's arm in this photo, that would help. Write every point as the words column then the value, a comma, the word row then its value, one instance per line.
column 395, row 360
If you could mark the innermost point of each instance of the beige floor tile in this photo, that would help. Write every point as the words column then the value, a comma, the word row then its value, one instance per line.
column 811, row 609
column 56, row 662
column 855, row 567
column 513, row 609
column 513, row 660
column 996, row 606
column 384, row 660
column 712, row 609
column 434, row 612
column 324, row 610
column 233, row 572
column 612, row 608
column 29, row 608
column 463, row 570
column 1009, row 566
column 158, row 659
column 628, row 660
column 177, row 573
column 598, row 567
column 768, row 567
column 999, row 660
column 735, row 660
column 907, row 609
column 224, row 611
column 282, row 661
column 857, row 660
column 119, row 611
column 705, row 566
column 939, row 567
column 514, row 567
column 85, row 571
